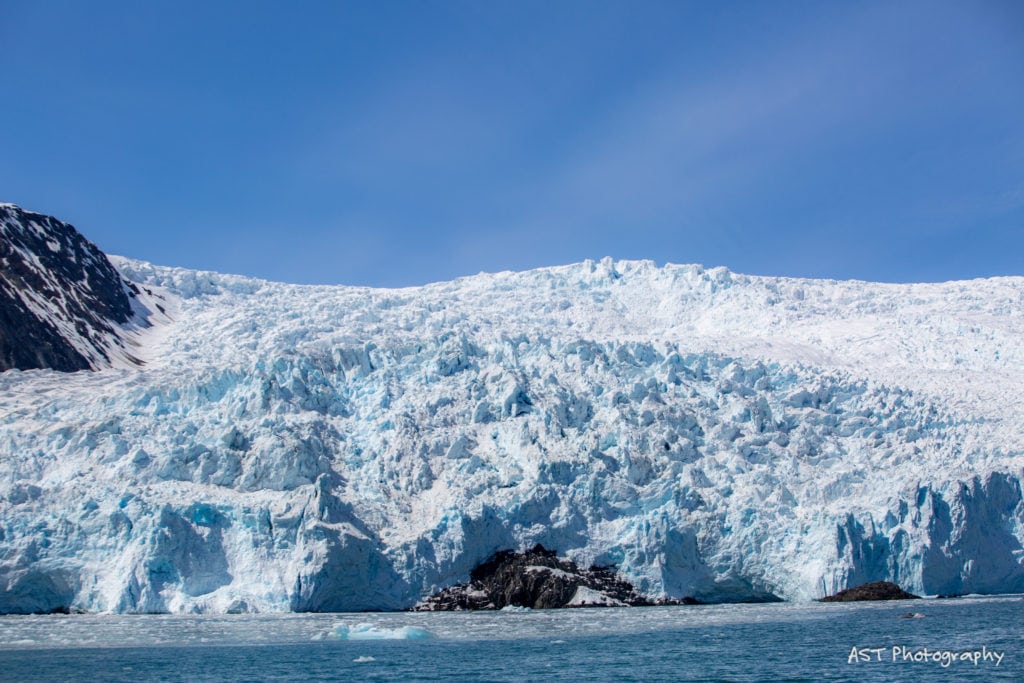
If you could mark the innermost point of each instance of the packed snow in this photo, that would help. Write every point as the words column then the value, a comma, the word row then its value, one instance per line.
column 710, row 434
column 584, row 597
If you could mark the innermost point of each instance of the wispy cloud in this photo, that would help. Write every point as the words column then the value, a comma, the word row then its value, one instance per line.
column 421, row 141
column 684, row 142
column 691, row 155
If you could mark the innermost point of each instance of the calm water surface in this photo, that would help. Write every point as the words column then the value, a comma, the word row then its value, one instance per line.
column 739, row 643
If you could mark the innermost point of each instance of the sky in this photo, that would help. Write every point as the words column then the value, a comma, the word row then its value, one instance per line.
column 399, row 143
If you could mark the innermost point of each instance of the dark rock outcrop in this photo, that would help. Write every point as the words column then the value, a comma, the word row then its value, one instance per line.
column 877, row 590
column 61, row 300
column 538, row 579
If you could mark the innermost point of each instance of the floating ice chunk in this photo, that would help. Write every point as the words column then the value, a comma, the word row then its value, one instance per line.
column 364, row 631
column 515, row 608
column 364, row 659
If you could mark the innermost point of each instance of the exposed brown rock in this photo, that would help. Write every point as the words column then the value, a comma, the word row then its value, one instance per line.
column 538, row 579
column 876, row 590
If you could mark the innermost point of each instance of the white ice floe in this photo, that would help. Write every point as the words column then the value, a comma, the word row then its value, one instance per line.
column 365, row 631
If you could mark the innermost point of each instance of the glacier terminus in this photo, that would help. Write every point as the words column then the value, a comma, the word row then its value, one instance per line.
column 249, row 446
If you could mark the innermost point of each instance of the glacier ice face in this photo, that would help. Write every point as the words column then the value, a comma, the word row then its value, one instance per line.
column 341, row 449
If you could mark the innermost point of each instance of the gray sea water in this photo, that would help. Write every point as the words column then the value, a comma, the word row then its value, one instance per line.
column 964, row 639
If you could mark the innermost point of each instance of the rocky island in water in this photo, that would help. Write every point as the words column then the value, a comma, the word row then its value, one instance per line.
column 876, row 590
column 538, row 579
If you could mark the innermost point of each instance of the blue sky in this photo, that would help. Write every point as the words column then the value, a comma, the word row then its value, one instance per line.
column 398, row 143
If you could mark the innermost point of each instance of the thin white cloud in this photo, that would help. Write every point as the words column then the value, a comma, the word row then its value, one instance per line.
column 682, row 143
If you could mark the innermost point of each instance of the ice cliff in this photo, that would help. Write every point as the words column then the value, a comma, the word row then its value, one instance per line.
column 338, row 448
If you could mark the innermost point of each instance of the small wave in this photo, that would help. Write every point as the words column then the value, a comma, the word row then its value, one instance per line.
column 364, row 659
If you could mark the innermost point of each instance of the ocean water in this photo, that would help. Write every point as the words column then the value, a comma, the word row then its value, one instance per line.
column 964, row 639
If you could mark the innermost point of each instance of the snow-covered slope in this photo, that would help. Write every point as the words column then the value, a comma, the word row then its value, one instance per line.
column 62, row 304
column 338, row 448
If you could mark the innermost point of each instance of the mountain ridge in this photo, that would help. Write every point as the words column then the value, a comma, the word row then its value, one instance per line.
column 63, row 305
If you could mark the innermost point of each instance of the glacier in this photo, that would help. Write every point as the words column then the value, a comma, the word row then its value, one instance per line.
column 335, row 448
